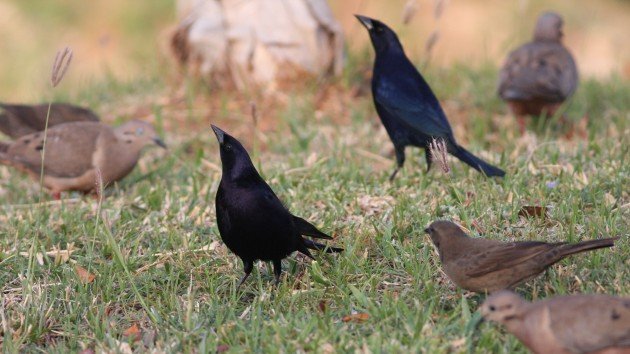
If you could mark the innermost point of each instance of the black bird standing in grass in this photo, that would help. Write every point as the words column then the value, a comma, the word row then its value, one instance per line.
column 253, row 222
column 406, row 105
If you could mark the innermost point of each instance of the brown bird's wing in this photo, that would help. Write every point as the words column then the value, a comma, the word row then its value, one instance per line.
column 18, row 120
column 69, row 149
column 589, row 323
column 505, row 255
column 538, row 70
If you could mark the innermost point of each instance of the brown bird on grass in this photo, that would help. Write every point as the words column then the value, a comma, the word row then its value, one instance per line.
column 539, row 76
column 564, row 324
column 483, row 265
column 76, row 153
column 17, row 120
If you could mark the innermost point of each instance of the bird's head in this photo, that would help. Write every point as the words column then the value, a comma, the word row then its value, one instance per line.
column 137, row 134
column 234, row 157
column 443, row 233
column 383, row 38
column 503, row 307
column 549, row 27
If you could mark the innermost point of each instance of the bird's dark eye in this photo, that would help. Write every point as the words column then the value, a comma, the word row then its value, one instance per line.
column 228, row 147
column 492, row 308
column 379, row 29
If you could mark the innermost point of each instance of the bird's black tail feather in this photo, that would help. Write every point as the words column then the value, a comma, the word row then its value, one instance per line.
column 478, row 164
column 305, row 228
column 320, row 247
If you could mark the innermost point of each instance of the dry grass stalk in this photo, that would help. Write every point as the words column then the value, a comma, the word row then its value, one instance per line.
column 439, row 154
column 430, row 43
column 99, row 187
column 409, row 11
column 61, row 65
column 438, row 8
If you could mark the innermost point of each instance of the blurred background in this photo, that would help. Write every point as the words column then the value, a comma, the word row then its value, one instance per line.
column 128, row 40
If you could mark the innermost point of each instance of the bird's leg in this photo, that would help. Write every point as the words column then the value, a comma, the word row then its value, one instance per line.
column 400, row 161
column 393, row 175
column 520, row 119
column 277, row 270
column 427, row 155
column 248, row 266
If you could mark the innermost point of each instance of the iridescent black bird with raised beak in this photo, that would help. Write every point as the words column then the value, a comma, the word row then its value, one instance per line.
column 252, row 221
column 406, row 105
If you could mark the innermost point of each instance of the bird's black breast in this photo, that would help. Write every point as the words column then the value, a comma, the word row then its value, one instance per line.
column 254, row 224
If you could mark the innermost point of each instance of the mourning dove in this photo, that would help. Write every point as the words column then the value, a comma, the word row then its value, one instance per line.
column 564, row 324
column 538, row 76
column 76, row 152
column 18, row 120
column 483, row 265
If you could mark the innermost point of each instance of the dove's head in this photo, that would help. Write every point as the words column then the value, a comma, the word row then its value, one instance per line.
column 549, row 27
column 383, row 38
column 503, row 307
column 137, row 134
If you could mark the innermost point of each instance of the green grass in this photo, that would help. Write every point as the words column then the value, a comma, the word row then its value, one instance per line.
column 186, row 299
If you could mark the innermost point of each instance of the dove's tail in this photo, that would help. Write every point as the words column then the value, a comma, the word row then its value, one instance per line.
column 476, row 163
column 570, row 249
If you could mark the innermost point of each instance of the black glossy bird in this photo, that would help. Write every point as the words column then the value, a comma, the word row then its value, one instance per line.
column 252, row 221
column 406, row 105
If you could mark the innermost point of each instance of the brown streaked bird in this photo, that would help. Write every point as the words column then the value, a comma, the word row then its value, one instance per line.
column 17, row 120
column 76, row 152
column 483, row 265
column 539, row 76
column 564, row 324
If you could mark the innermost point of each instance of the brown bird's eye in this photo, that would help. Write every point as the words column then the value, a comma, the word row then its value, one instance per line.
column 492, row 308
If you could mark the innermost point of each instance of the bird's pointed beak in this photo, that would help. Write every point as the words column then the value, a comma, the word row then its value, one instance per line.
column 219, row 133
column 365, row 21
column 159, row 142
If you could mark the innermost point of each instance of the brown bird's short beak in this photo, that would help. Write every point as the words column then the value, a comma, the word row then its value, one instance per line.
column 159, row 142
column 426, row 230
column 365, row 21
column 219, row 133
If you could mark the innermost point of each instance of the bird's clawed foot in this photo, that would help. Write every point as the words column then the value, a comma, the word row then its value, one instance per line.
column 393, row 175
column 248, row 267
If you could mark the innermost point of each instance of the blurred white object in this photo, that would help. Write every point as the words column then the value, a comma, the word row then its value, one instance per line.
column 263, row 42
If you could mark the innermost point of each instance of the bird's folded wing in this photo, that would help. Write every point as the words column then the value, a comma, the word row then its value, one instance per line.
column 307, row 229
column 591, row 323
column 26, row 115
column 538, row 71
column 418, row 110
column 503, row 256
column 68, row 151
